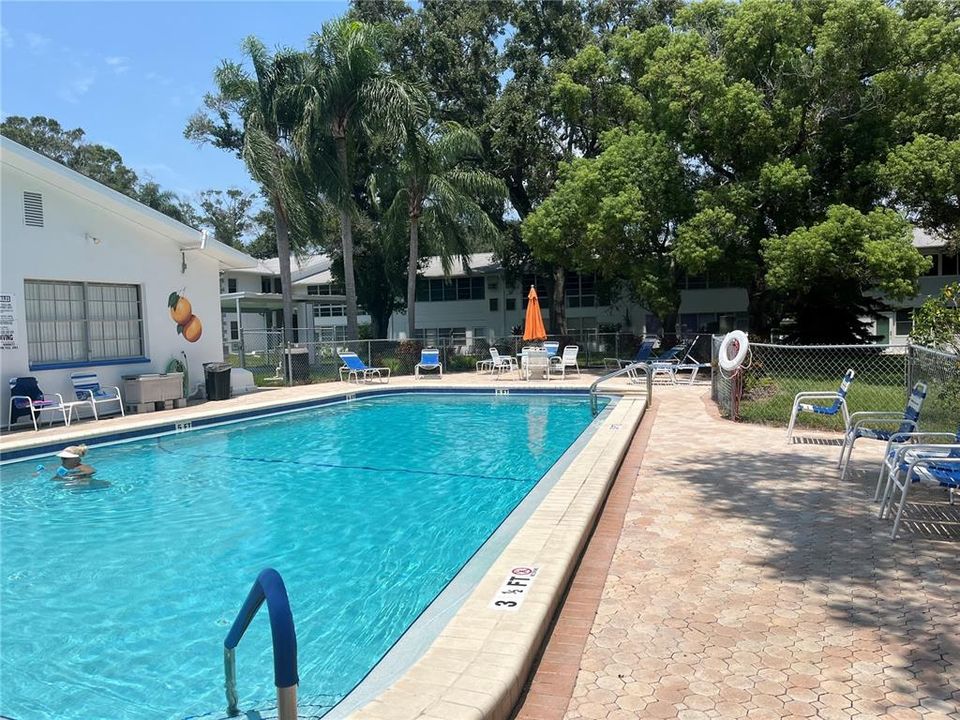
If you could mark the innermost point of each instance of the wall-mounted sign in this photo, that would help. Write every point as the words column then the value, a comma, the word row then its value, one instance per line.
column 8, row 323
column 512, row 593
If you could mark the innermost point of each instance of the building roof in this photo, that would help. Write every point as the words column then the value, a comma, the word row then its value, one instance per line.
column 476, row 263
column 923, row 239
column 109, row 200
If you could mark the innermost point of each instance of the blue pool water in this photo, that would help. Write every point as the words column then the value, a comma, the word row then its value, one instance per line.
column 116, row 598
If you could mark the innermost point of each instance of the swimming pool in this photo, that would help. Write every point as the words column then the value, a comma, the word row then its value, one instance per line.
column 116, row 599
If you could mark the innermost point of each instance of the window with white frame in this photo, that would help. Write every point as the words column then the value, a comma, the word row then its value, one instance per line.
column 320, row 311
column 77, row 322
column 904, row 323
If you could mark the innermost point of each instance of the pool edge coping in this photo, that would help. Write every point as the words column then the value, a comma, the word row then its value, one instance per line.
column 479, row 662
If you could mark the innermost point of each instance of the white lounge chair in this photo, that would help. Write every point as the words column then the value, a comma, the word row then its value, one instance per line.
column 903, row 448
column 801, row 403
column 86, row 386
column 567, row 360
column 860, row 425
column 429, row 360
column 916, row 464
column 26, row 398
column 501, row 363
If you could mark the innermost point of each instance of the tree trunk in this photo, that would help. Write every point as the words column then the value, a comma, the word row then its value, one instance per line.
column 558, row 303
column 412, row 276
column 283, row 257
column 346, row 239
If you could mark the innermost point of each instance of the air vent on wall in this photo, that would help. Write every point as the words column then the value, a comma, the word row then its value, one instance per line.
column 32, row 209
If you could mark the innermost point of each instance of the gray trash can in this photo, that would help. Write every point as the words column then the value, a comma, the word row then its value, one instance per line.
column 217, row 376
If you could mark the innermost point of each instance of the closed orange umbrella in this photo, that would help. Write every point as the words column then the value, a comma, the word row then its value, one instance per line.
column 533, row 328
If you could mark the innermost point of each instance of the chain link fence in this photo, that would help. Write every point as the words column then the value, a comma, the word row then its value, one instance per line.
column 884, row 376
column 313, row 359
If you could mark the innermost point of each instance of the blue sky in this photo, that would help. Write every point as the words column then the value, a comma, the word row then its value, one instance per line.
column 131, row 73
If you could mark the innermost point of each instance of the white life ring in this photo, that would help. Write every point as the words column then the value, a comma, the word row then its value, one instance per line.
column 735, row 342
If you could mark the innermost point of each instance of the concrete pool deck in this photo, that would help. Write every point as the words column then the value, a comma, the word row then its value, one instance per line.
column 749, row 582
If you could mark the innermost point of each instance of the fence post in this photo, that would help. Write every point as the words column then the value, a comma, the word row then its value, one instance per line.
column 369, row 352
column 289, row 358
column 243, row 350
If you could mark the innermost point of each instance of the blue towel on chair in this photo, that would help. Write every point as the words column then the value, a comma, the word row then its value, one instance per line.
column 26, row 386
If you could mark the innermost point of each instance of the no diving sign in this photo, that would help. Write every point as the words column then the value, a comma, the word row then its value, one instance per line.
column 514, row 589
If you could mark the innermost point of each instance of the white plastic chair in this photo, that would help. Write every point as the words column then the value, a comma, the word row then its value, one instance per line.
column 501, row 363
column 567, row 359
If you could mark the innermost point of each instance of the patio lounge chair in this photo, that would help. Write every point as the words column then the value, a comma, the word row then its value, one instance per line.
column 801, row 403
column 501, row 363
column 689, row 364
column 553, row 350
column 567, row 360
column 903, row 448
column 665, row 363
column 354, row 367
column 429, row 360
column 86, row 386
column 945, row 471
column 642, row 355
column 26, row 398
column 860, row 425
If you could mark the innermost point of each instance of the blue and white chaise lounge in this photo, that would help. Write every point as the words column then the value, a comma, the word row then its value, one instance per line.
column 354, row 367
column 87, row 388
column 429, row 360
column 801, row 403
column 906, row 446
column 917, row 464
column 864, row 425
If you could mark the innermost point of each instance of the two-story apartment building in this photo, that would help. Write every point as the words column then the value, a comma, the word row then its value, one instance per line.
column 476, row 299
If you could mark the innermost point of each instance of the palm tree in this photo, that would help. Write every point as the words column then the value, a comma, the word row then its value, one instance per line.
column 268, row 105
column 441, row 194
column 350, row 98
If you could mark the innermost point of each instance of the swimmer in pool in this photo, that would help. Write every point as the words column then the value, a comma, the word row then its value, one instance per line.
column 71, row 465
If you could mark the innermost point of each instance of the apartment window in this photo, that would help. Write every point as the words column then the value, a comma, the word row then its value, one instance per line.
column 327, row 289
column 270, row 285
column 440, row 290
column 479, row 333
column 949, row 264
column 904, row 322
column 935, row 267
column 444, row 336
column 231, row 285
column 329, row 311
column 77, row 322
column 543, row 290
column 580, row 290
column 234, row 330
column 494, row 304
column 512, row 304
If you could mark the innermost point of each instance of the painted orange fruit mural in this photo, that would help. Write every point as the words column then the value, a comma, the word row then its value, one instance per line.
column 181, row 311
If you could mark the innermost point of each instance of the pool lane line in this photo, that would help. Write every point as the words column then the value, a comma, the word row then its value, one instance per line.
column 336, row 466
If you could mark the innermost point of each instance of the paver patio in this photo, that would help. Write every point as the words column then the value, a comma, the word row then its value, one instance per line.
column 748, row 581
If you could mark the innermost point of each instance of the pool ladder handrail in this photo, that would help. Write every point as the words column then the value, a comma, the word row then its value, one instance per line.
column 630, row 369
column 268, row 587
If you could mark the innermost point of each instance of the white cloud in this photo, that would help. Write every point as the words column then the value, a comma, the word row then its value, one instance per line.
column 118, row 64
column 36, row 42
column 76, row 88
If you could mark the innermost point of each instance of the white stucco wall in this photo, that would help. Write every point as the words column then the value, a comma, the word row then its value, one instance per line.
column 128, row 251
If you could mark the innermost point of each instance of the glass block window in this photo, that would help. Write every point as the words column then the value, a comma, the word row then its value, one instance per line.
column 82, row 322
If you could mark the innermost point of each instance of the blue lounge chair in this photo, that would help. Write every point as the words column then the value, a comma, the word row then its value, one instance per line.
column 860, row 425
column 86, row 386
column 429, row 360
column 938, row 464
column 553, row 349
column 666, row 362
column 839, row 405
column 903, row 448
column 27, row 399
column 354, row 367
column 642, row 355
